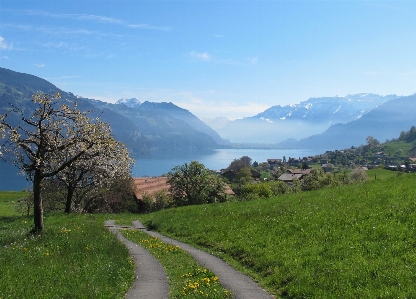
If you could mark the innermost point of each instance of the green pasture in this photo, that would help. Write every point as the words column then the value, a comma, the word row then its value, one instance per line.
column 355, row 241
column 75, row 257
column 8, row 201
column 391, row 148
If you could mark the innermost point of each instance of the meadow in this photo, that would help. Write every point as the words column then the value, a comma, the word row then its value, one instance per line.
column 75, row 257
column 355, row 241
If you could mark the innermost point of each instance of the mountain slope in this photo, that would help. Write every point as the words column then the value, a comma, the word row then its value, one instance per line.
column 327, row 109
column 176, row 112
column 141, row 130
column 301, row 120
column 383, row 122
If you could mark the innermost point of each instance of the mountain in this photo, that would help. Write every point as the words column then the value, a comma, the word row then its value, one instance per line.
column 133, row 102
column 327, row 109
column 143, row 128
column 175, row 112
column 301, row 120
column 383, row 122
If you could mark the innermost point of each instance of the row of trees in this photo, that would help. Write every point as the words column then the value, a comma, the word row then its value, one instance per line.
column 64, row 152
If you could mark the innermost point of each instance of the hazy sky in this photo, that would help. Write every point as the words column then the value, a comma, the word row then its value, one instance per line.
column 214, row 58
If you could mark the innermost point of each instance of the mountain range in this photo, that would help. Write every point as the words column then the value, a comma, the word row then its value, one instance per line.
column 143, row 127
column 383, row 122
column 319, row 123
column 298, row 121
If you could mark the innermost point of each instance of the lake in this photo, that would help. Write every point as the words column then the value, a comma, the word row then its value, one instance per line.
column 160, row 163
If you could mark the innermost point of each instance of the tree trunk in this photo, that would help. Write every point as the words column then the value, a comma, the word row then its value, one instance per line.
column 37, row 202
column 68, row 203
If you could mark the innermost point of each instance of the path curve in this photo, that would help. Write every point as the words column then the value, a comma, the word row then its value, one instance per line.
column 151, row 281
column 241, row 286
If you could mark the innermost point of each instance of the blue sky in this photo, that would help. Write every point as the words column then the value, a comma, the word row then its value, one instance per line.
column 214, row 58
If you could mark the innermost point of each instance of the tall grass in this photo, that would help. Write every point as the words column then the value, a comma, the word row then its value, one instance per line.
column 356, row 241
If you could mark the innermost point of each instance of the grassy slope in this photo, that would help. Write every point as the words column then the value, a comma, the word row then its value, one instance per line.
column 392, row 147
column 355, row 241
column 75, row 257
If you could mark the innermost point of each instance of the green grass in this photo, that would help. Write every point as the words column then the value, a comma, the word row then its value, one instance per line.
column 356, row 241
column 383, row 174
column 392, row 147
column 186, row 277
column 74, row 257
column 8, row 202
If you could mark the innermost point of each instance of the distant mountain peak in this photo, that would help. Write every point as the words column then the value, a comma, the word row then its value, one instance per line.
column 133, row 102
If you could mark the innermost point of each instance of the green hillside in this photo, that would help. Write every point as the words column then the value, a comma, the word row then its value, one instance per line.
column 355, row 241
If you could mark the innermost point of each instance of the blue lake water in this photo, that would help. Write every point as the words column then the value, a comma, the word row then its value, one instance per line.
column 160, row 163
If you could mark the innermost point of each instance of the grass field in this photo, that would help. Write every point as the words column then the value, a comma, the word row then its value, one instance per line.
column 75, row 257
column 392, row 147
column 8, row 201
column 356, row 241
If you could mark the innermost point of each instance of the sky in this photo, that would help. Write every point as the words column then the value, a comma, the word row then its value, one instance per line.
column 215, row 58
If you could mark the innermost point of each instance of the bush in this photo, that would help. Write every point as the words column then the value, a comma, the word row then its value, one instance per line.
column 279, row 188
column 358, row 175
column 261, row 190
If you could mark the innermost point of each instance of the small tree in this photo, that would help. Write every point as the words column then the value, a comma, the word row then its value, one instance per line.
column 240, row 163
column 372, row 142
column 192, row 184
column 279, row 187
column 358, row 175
column 261, row 190
column 243, row 176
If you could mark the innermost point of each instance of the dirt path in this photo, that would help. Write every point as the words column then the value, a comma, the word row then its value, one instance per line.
column 151, row 281
column 242, row 286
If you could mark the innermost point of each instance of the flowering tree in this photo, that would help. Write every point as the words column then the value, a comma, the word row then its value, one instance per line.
column 51, row 139
column 96, row 170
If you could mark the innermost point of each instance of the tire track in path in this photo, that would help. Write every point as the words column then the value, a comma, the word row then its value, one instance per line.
column 241, row 286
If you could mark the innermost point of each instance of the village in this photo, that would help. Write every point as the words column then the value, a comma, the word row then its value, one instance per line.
column 295, row 169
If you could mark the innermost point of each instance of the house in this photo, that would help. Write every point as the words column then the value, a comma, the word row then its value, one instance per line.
column 299, row 171
column 292, row 174
column 323, row 161
column 379, row 155
column 289, row 177
column 151, row 186
column 274, row 163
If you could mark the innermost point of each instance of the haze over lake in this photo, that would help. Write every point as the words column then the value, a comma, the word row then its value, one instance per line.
column 160, row 163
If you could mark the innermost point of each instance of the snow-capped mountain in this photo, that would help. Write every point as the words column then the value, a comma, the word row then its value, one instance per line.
column 133, row 102
column 301, row 120
column 326, row 109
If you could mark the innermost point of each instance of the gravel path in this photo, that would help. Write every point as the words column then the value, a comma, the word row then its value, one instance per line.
column 151, row 281
column 242, row 286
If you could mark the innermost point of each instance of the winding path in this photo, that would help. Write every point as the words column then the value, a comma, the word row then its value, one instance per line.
column 151, row 281
column 242, row 286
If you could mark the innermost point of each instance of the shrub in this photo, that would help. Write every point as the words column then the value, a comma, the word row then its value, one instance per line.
column 279, row 187
column 261, row 190
column 358, row 175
